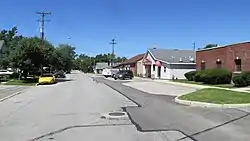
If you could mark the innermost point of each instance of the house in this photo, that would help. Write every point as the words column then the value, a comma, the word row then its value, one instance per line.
column 134, row 64
column 234, row 57
column 99, row 67
column 167, row 63
column 1, row 47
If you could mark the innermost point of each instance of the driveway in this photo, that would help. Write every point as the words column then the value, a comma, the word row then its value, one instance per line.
column 160, row 88
column 158, row 113
column 71, row 111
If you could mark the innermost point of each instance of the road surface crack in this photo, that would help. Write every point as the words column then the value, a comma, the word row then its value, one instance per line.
column 73, row 127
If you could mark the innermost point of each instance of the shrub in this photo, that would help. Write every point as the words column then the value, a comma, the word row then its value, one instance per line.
column 190, row 75
column 246, row 77
column 239, row 81
column 217, row 76
column 213, row 76
column 199, row 76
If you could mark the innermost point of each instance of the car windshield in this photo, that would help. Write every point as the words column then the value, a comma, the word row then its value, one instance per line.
column 47, row 75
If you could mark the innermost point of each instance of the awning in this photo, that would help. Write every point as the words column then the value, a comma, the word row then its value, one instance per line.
column 158, row 63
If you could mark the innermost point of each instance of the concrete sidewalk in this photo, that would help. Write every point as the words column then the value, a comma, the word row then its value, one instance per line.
column 247, row 90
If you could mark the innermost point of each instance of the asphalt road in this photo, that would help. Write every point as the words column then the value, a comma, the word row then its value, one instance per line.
column 159, row 113
column 8, row 90
column 75, row 110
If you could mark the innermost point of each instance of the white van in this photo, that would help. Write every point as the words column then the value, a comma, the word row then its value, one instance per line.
column 109, row 72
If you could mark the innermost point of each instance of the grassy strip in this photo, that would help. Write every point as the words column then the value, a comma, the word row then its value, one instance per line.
column 200, row 83
column 217, row 96
column 28, row 82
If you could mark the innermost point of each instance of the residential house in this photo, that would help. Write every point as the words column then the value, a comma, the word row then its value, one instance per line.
column 134, row 64
column 167, row 63
column 234, row 57
column 99, row 67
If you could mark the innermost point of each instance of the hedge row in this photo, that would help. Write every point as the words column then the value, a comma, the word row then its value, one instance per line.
column 210, row 76
column 242, row 79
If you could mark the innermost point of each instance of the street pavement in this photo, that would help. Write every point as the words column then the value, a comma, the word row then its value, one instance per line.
column 160, row 113
column 8, row 90
column 75, row 110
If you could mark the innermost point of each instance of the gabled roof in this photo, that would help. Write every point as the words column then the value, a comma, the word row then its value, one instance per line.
column 133, row 59
column 173, row 56
column 1, row 44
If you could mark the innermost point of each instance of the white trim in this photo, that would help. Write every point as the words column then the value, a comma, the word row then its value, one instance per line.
column 205, row 49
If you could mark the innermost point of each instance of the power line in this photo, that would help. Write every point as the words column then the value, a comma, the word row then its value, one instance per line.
column 43, row 14
column 113, row 51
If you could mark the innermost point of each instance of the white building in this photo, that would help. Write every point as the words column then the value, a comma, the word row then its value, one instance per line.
column 168, row 64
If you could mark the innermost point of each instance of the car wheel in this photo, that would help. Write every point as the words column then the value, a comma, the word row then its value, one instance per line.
column 115, row 78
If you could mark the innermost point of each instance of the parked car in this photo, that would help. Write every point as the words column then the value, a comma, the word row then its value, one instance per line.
column 5, row 72
column 47, row 79
column 109, row 72
column 124, row 74
column 59, row 74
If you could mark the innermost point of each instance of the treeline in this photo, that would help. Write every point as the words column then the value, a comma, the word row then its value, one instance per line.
column 31, row 54
column 87, row 63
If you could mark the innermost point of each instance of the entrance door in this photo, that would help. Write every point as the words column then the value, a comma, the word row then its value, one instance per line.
column 148, row 71
column 159, row 72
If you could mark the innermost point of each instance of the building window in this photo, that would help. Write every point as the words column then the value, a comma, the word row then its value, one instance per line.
column 237, row 65
column 203, row 65
column 154, row 67
column 218, row 63
column 165, row 69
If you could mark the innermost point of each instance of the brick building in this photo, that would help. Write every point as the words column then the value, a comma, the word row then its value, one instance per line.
column 235, row 57
column 134, row 64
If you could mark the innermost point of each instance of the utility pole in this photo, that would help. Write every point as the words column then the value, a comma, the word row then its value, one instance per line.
column 194, row 46
column 113, row 51
column 42, row 20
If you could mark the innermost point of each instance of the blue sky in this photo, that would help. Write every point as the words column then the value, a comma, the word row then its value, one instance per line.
column 136, row 24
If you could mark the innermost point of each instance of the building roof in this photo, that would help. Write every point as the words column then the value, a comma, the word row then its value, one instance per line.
column 101, row 65
column 231, row 45
column 1, row 44
column 173, row 56
column 133, row 59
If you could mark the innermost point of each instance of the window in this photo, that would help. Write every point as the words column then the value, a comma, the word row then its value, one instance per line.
column 218, row 63
column 153, row 67
column 238, row 65
column 203, row 65
column 165, row 69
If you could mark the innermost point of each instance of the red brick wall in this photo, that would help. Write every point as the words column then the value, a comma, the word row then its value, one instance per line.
column 226, row 55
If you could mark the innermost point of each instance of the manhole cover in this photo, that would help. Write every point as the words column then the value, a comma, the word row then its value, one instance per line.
column 116, row 114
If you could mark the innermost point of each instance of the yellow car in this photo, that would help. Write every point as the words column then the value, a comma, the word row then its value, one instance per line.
column 47, row 79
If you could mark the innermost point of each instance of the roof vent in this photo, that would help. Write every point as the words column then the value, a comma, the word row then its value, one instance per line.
column 191, row 59
column 180, row 60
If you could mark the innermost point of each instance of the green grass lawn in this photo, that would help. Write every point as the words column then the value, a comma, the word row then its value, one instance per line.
column 217, row 96
column 28, row 82
column 200, row 83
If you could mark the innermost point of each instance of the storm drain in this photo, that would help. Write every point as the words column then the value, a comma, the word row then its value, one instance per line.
column 115, row 115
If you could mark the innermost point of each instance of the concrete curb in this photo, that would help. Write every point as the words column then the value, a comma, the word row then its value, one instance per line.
column 12, row 95
column 209, row 105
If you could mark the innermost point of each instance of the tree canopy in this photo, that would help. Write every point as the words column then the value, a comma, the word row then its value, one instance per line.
column 32, row 54
column 211, row 45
